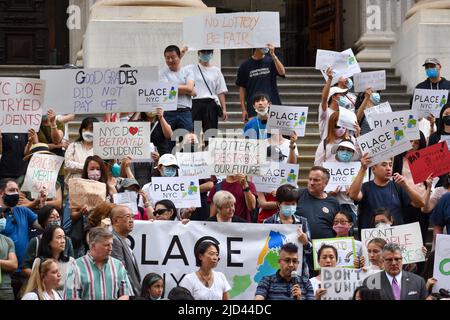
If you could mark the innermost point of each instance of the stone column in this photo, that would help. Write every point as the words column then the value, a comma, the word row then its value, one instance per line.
column 379, row 20
column 78, row 11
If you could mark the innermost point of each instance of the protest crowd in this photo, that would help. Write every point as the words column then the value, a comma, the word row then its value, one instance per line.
column 68, row 209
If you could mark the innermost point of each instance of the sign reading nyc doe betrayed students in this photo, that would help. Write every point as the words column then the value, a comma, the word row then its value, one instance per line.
column 115, row 140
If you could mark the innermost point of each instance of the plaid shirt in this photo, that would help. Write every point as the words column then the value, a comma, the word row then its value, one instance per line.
column 275, row 287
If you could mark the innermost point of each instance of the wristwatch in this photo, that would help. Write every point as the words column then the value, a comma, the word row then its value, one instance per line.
column 246, row 189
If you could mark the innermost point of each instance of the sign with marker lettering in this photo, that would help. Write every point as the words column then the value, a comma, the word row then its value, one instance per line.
column 342, row 174
column 347, row 119
column 184, row 192
column 193, row 164
column 428, row 102
column 407, row 236
column 231, row 156
column 157, row 94
column 284, row 120
column 384, row 143
column 115, row 140
column 42, row 172
column 441, row 268
column 385, row 107
column 346, row 251
column 376, row 80
column 21, row 102
column 276, row 174
column 434, row 160
column 408, row 120
column 239, row 30
column 344, row 64
column 84, row 91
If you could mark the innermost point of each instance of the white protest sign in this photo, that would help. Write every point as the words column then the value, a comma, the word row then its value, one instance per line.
column 115, row 140
column 232, row 30
column 330, row 59
column 346, row 251
column 384, row 143
column 339, row 70
column 441, row 268
column 284, row 120
column 231, row 156
column 276, row 174
column 428, row 102
column 42, row 172
column 342, row 174
column 84, row 91
column 376, row 80
column 341, row 283
column 407, row 236
column 193, row 164
column 127, row 198
column 385, row 107
column 347, row 119
column 157, row 94
column 407, row 120
column 184, row 192
column 21, row 102
column 248, row 251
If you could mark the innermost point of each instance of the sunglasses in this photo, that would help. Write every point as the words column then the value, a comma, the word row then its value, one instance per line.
column 160, row 212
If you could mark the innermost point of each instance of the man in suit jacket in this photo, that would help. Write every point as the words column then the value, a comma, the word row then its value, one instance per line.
column 395, row 283
column 122, row 220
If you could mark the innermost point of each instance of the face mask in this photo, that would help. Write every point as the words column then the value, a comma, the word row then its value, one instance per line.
column 88, row 136
column 432, row 73
column 54, row 223
column 375, row 98
column 94, row 175
column 344, row 156
column 115, row 170
column 382, row 225
column 341, row 229
column 263, row 113
column 205, row 57
column 339, row 132
column 343, row 102
column 265, row 50
column 169, row 172
column 446, row 120
column 2, row 224
column 349, row 84
column 11, row 200
column 288, row 211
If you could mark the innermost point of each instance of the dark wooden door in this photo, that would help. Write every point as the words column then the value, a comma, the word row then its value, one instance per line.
column 33, row 32
column 325, row 26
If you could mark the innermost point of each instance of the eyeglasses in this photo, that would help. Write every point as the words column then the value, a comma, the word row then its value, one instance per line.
column 160, row 212
column 390, row 260
column 288, row 261
column 340, row 222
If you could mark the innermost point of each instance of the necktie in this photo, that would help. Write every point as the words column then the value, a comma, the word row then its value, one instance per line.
column 395, row 289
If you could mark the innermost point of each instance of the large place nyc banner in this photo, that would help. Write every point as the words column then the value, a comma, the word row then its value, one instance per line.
column 248, row 252
column 85, row 91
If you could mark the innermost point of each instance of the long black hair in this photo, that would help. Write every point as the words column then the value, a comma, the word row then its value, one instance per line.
column 44, row 249
column 440, row 124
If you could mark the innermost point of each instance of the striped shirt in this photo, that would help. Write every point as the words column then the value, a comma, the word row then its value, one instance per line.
column 275, row 287
column 86, row 281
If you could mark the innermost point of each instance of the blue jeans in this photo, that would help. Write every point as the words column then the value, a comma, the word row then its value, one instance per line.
column 180, row 119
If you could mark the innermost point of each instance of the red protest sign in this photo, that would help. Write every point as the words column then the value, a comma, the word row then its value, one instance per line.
column 433, row 160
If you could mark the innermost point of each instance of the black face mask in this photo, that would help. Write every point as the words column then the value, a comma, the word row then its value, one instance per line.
column 11, row 200
column 446, row 120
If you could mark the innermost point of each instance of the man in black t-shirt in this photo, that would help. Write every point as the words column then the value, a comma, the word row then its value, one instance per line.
column 259, row 74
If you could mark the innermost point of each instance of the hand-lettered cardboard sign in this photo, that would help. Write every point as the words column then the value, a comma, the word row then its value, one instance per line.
column 428, row 102
column 42, row 172
column 441, row 269
column 344, row 64
column 115, row 140
column 84, row 91
column 184, row 192
column 434, row 160
column 86, row 192
column 407, row 236
column 346, row 251
column 376, row 80
column 342, row 174
column 384, row 143
column 231, row 156
column 157, row 94
column 284, row 120
column 232, row 30
column 193, row 164
column 21, row 101
column 276, row 174
column 408, row 120
column 385, row 107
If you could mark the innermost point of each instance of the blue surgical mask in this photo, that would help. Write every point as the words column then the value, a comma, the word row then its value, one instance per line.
column 375, row 98
column 205, row 57
column 54, row 223
column 349, row 84
column 265, row 50
column 288, row 211
column 344, row 155
column 432, row 73
column 169, row 171
column 115, row 170
column 343, row 102
column 2, row 224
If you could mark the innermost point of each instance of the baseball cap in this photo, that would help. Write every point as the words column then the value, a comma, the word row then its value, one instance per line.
column 431, row 61
column 167, row 160
column 335, row 90
column 128, row 182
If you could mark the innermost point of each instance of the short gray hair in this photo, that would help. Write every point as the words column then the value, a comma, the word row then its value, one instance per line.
column 98, row 234
column 223, row 197
column 391, row 247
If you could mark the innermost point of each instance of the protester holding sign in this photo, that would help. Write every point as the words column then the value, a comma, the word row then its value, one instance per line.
column 256, row 128
column 434, row 195
column 366, row 100
column 327, row 257
column 342, row 225
column 131, row 185
column 259, row 74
